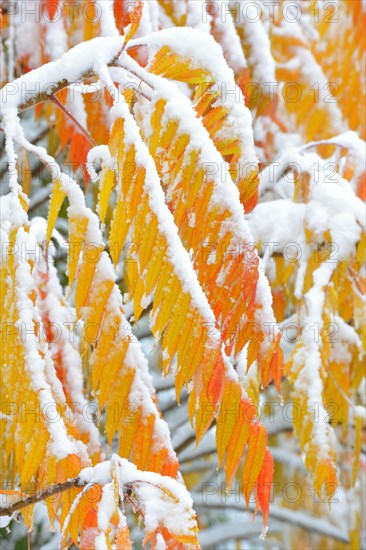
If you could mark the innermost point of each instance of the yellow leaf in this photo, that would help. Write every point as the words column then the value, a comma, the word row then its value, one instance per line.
column 107, row 182
column 57, row 198
column 77, row 229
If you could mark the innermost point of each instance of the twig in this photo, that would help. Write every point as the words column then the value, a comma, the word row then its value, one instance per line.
column 76, row 122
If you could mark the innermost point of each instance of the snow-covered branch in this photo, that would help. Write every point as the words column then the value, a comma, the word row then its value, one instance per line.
column 56, row 489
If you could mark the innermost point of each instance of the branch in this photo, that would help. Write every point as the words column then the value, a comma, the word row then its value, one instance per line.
column 77, row 64
column 41, row 495
column 52, row 89
column 294, row 517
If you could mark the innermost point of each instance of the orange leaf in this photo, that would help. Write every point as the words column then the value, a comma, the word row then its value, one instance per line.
column 239, row 439
column 263, row 487
column 254, row 459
